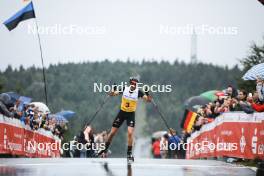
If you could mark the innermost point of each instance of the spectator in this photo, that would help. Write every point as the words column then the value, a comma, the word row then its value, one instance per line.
column 4, row 99
column 88, row 130
column 225, row 107
column 156, row 149
column 243, row 104
column 199, row 121
column 35, row 122
column 256, row 104
column 173, row 140
column 258, row 96
column 231, row 91
column 184, row 138
column 43, row 120
column 101, row 137
column 164, row 142
column 81, row 140
column 58, row 131
column 52, row 124
column 260, row 89
column 209, row 110
column 242, row 96
column 89, row 137
column 27, row 121
column 73, row 149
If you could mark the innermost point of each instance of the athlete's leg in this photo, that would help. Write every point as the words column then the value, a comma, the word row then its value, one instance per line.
column 130, row 135
column 130, row 131
column 112, row 134
column 109, row 139
column 116, row 124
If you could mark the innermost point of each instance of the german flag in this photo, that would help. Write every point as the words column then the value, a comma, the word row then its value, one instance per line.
column 188, row 120
column 26, row 13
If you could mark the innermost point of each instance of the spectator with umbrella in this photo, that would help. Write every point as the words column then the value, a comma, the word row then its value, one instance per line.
column 257, row 73
column 260, row 89
column 4, row 100
column 13, row 98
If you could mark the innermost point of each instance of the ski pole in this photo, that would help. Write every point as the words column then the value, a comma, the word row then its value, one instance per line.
column 161, row 115
column 98, row 110
column 100, row 107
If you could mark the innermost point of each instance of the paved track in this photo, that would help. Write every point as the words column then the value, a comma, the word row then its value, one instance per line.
column 118, row 167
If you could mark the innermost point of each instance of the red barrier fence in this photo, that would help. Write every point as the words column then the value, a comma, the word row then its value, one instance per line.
column 18, row 139
column 233, row 134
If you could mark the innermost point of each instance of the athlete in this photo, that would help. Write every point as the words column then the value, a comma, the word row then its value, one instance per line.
column 130, row 96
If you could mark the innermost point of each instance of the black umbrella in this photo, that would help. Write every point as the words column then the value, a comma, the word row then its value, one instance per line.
column 14, row 97
column 194, row 102
column 5, row 98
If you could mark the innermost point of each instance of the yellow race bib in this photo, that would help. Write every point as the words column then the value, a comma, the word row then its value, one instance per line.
column 129, row 100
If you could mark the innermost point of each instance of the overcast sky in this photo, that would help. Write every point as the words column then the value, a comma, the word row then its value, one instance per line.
column 118, row 29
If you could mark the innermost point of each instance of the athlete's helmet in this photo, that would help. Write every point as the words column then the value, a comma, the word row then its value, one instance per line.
column 134, row 78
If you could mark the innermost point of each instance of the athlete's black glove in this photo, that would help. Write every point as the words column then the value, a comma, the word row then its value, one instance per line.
column 115, row 87
column 149, row 96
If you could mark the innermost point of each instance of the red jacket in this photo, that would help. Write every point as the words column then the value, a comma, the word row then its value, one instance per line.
column 258, row 107
column 156, row 147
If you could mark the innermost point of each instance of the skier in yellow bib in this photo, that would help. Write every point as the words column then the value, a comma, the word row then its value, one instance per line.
column 130, row 96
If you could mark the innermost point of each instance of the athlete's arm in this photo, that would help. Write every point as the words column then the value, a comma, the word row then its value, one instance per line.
column 116, row 92
column 147, row 98
column 113, row 93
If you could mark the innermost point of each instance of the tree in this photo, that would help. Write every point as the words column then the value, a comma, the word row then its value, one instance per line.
column 2, row 83
column 255, row 57
column 1, row 86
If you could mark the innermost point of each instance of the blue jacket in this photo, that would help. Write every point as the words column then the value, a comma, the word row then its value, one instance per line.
column 174, row 139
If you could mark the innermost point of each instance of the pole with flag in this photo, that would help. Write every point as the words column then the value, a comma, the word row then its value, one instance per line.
column 28, row 12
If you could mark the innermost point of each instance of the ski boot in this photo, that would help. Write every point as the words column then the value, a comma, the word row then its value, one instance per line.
column 130, row 158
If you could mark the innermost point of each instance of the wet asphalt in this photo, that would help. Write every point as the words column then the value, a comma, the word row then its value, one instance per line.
column 119, row 167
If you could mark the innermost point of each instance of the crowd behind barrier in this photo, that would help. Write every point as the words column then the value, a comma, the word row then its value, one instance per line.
column 89, row 138
column 18, row 139
column 230, row 100
column 232, row 134
column 28, row 128
column 34, row 115
column 241, row 104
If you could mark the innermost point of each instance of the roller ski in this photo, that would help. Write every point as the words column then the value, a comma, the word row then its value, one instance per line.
column 103, row 152
column 102, row 155
column 130, row 158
